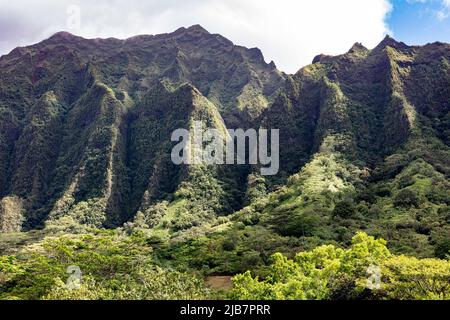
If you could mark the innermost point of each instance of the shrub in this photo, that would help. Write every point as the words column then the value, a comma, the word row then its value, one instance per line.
column 405, row 182
column 442, row 249
column 344, row 209
column 365, row 270
column 407, row 198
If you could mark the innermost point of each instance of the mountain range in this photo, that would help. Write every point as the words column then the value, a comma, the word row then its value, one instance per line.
column 85, row 128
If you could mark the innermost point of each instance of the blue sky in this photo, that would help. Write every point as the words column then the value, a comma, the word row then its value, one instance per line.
column 420, row 22
column 289, row 32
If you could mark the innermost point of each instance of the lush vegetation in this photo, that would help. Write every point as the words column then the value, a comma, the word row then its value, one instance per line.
column 86, row 177
column 115, row 265
column 366, row 270
column 112, row 265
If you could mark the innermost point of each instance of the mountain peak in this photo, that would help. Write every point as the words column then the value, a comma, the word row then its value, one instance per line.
column 194, row 30
column 197, row 28
column 63, row 34
column 320, row 58
column 388, row 41
column 63, row 37
column 358, row 48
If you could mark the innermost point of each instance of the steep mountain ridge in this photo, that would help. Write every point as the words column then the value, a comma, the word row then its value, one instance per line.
column 374, row 153
column 85, row 131
column 241, row 78
column 66, row 120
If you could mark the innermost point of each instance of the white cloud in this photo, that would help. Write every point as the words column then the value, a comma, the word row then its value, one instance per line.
column 445, row 11
column 290, row 32
column 441, row 15
column 444, row 7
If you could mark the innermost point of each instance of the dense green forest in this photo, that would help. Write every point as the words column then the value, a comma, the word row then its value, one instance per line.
column 116, row 265
column 359, row 210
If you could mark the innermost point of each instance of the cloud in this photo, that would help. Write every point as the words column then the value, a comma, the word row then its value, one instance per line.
column 290, row 32
column 441, row 8
column 441, row 15
column 444, row 12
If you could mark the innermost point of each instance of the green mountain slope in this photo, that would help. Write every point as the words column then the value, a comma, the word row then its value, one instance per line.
column 367, row 132
column 87, row 119
column 85, row 130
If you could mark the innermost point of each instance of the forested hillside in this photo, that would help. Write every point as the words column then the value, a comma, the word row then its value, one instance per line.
column 86, row 176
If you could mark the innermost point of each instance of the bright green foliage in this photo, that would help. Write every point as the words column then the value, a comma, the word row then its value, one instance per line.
column 113, row 266
column 148, row 283
column 85, row 128
column 328, row 272
column 411, row 278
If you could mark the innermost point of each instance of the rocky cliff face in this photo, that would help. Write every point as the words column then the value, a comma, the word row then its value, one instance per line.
column 85, row 129
column 85, row 124
column 365, row 135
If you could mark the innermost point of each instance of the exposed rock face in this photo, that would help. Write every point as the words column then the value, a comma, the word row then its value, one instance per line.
column 11, row 214
column 375, row 98
column 75, row 115
column 366, row 131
